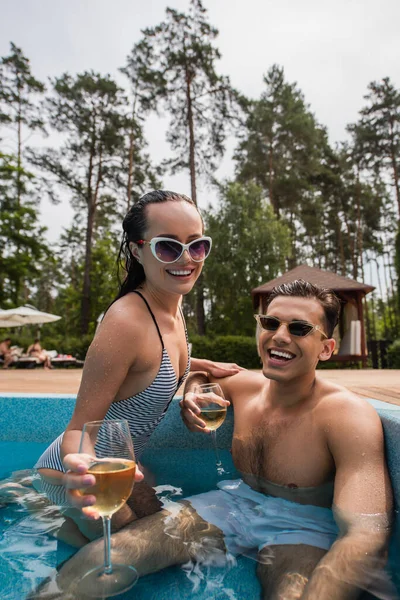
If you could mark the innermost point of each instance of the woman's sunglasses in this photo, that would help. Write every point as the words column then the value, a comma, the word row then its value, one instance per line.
column 167, row 250
column 298, row 328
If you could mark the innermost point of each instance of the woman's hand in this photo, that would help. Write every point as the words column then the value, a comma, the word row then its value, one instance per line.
column 190, row 412
column 77, row 478
column 219, row 369
column 216, row 369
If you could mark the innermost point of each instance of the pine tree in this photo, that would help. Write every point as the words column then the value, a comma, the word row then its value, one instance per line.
column 181, row 77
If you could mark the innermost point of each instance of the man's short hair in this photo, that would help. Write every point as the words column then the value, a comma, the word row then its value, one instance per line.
column 304, row 289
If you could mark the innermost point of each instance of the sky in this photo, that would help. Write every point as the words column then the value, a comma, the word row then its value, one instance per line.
column 333, row 50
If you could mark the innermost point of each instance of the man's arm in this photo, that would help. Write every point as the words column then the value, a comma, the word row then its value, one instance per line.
column 362, row 504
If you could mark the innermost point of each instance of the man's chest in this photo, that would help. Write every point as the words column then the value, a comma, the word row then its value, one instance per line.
column 282, row 449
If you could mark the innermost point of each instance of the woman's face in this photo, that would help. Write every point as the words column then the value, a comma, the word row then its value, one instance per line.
column 180, row 221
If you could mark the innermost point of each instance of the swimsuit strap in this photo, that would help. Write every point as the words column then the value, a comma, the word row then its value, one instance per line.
column 152, row 315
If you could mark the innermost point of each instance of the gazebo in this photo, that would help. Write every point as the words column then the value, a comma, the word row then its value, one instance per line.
column 350, row 333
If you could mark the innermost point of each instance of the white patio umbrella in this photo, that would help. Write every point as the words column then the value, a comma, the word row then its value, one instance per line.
column 25, row 315
column 9, row 322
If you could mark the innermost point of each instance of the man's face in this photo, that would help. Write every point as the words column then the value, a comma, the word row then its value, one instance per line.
column 285, row 356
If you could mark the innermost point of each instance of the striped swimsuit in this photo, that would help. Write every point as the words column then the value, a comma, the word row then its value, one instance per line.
column 143, row 411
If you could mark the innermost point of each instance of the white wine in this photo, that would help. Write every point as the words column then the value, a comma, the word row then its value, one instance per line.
column 213, row 417
column 114, row 483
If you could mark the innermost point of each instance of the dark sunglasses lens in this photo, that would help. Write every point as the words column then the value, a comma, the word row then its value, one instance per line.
column 199, row 250
column 300, row 328
column 269, row 323
column 168, row 251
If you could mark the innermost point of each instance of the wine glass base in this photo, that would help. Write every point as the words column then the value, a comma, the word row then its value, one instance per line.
column 99, row 584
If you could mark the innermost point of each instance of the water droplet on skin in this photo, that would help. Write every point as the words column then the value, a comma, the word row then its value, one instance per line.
column 363, row 454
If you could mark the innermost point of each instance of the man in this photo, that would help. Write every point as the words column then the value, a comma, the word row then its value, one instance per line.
column 5, row 352
column 302, row 445
column 308, row 441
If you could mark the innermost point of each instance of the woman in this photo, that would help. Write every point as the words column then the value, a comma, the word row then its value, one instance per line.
column 139, row 356
column 36, row 351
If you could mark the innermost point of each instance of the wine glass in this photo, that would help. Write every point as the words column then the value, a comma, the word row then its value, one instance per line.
column 213, row 412
column 112, row 462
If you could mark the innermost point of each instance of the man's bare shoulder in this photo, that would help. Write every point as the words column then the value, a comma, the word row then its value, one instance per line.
column 342, row 413
column 244, row 384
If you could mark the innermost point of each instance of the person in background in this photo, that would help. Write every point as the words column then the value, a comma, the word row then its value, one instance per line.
column 5, row 352
column 36, row 351
column 139, row 356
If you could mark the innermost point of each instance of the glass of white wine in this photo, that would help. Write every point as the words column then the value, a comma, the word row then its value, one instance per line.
column 109, row 444
column 213, row 412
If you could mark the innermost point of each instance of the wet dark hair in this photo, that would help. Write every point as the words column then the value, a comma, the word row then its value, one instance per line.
column 134, row 226
column 304, row 289
column 7, row 339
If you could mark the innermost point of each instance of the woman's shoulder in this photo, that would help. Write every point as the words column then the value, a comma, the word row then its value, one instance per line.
column 128, row 312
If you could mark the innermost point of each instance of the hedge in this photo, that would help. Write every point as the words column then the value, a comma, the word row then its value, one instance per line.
column 393, row 355
column 227, row 348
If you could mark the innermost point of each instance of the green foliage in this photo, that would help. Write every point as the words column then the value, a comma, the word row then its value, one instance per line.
column 229, row 348
column 21, row 238
column 249, row 248
column 295, row 199
column 281, row 150
column 89, row 110
column 180, row 73
column 64, row 344
column 377, row 134
column 393, row 355
column 18, row 92
column 23, row 249
column 397, row 268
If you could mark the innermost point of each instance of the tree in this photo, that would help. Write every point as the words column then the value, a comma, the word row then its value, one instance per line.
column 181, row 72
column 143, row 99
column 89, row 110
column 18, row 103
column 71, row 260
column 22, row 246
column 281, row 150
column 378, row 132
column 350, row 214
column 377, row 138
column 249, row 248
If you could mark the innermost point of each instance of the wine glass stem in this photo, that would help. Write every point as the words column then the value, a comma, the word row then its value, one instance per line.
column 214, row 439
column 107, row 544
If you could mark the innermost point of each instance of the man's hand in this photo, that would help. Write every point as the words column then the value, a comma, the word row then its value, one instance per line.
column 190, row 412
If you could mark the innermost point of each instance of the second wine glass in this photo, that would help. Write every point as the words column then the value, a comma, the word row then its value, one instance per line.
column 212, row 412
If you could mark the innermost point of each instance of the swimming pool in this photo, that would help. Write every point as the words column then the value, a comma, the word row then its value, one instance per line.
column 28, row 554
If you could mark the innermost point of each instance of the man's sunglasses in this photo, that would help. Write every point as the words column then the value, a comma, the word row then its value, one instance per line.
column 167, row 250
column 298, row 328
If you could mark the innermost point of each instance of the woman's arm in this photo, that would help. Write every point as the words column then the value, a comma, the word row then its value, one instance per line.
column 110, row 356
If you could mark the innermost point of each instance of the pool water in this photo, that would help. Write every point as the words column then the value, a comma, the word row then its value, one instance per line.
column 28, row 554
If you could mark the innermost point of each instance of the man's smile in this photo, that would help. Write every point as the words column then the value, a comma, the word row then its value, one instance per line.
column 279, row 356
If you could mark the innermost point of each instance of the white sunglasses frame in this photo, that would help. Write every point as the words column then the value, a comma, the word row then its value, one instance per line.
column 152, row 243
